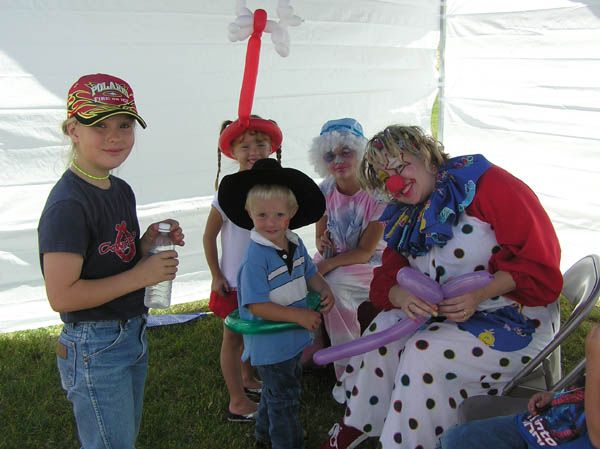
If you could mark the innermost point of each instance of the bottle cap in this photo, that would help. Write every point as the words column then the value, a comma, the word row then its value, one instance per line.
column 164, row 227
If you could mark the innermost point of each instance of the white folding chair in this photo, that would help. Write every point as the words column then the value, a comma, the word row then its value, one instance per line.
column 581, row 287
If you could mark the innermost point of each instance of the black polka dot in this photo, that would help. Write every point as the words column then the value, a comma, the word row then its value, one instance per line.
column 382, row 351
column 422, row 344
column 427, row 378
column 379, row 372
column 459, row 253
column 373, row 400
column 525, row 359
column 495, row 249
column 536, row 323
column 439, row 430
column 413, row 423
column 398, row 406
column 355, row 391
column 418, row 447
column 450, row 376
column 349, row 369
column 430, row 403
column 405, row 380
column 463, row 393
column 398, row 438
column 433, row 263
column 479, row 268
column 348, row 394
column 452, row 402
column 440, row 271
column 348, row 411
column 372, row 327
column 362, row 364
column 496, row 376
column 477, row 352
column 449, row 354
column 493, row 392
column 367, row 428
column 485, row 385
column 467, row 229
column 434, row 328
column 338, row 383
column 504, row 361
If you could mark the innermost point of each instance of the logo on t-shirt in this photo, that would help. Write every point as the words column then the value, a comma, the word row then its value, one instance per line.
column 124, row 246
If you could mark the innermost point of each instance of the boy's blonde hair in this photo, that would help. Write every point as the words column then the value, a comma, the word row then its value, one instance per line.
column 262, row 192
column 391, row 142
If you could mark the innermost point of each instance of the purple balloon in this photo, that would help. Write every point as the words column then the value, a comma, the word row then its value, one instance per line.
column 465, row 283
column 422, row 287
column 408, row 278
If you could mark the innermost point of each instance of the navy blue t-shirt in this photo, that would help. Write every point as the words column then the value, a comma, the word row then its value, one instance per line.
column 102, row 226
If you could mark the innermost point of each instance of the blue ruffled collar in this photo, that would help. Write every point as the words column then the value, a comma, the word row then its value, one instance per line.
column 415, row 229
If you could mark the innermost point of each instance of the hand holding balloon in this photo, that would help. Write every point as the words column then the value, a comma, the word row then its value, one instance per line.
column 460, row 302
column 416, row 294
column 418, row 285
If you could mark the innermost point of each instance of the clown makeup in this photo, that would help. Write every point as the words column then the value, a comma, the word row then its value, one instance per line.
column 392, row 167
column 339, row 155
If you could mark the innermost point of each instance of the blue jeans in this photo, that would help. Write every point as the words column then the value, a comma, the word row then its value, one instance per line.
column 278, row 418
column 494, row 433
column 103, row 367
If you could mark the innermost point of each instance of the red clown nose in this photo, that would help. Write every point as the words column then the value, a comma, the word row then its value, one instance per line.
column 395, row 184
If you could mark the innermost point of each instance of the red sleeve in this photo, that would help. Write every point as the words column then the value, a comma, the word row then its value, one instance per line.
column 530, row 251
column 384, row 278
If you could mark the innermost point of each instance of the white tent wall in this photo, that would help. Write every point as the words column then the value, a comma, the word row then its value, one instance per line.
column 522, row 88
column 368, row 59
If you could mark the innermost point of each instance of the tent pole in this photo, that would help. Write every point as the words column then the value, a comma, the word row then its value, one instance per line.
column 442, row 71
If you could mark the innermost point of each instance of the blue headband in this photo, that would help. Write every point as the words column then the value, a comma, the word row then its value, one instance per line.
column 343, row 125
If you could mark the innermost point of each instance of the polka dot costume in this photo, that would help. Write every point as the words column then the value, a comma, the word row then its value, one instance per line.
column 408, row 391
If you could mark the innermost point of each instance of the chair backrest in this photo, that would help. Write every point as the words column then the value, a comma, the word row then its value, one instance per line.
column 581, row 287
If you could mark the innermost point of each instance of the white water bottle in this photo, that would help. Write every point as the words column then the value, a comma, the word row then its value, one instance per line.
column 158, row 296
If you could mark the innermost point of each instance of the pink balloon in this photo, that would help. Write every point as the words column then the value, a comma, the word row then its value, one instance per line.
column 422, row 287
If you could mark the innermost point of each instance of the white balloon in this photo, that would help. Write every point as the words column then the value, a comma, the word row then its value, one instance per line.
column 294, row 21
column 285, row 11
column 244, row 21
column 283, row 50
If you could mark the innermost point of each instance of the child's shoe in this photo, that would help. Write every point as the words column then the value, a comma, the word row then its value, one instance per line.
column 342, row 436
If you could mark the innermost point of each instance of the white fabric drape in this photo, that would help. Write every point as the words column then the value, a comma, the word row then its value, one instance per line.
column 367, row 59
column 522, row 88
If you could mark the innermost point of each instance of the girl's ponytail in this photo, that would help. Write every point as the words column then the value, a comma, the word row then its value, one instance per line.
column 224, row 125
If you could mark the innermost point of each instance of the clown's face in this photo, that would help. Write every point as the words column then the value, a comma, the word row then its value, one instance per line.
column 406, row 178
column 342, row 162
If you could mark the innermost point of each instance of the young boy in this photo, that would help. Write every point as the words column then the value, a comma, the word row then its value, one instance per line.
column 567, row 419
column 272, row 285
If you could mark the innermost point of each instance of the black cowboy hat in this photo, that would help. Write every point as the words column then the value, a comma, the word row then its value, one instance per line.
column 234, row 189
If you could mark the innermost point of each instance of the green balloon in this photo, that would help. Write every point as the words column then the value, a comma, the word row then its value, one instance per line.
column 250, row 327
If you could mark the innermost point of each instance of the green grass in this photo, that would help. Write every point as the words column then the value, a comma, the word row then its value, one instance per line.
column 185, row 396
column 184, row 401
